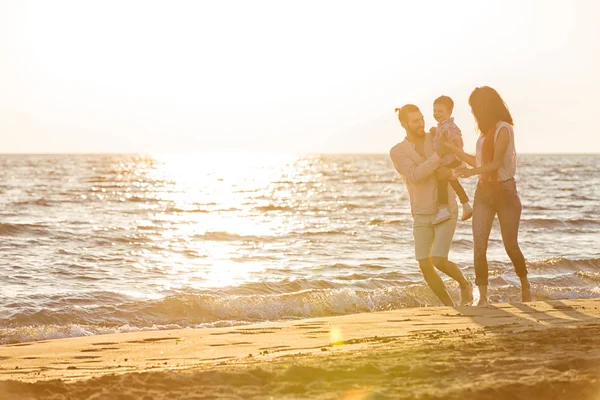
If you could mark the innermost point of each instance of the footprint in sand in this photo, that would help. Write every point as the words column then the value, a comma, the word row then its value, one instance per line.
column 274, row 347
column 418, row 331
column 248, row 331
column 314, row 332
column 217, row 358
column 100, row 349
column 310, row 325
column 152, row 340
column 255, row 331
column 229, row 344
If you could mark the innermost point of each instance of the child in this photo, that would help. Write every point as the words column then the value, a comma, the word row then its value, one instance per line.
column 442, row 111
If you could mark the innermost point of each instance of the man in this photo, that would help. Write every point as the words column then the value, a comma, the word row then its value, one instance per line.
column 419, row 165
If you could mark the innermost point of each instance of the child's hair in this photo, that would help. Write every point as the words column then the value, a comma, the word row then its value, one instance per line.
column 445, row 101
column 404, row 111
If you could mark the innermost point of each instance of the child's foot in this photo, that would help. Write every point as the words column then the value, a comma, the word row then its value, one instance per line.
column 442, row 215
column 467, row 211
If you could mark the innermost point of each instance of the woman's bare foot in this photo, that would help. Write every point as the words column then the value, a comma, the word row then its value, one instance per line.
column 526, row 291
column 483, row 299
column 466, row 294
column 483, row 302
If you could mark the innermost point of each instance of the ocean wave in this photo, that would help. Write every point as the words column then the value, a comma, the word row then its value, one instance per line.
column 138, row 199
column 388, row 222
column 112, row 186
column 208, row 310
column 98, row 179
column 273, row 207
column 592, row 276
column 536, row 208
column 558, row 263
column 34, row 333
column 218, row 236
column 14, row 229
column 556, row 223
column 352, row 206
column 321, row 233
column 360, row 277
column 37, row 202
column 376, row 181
column 463, row 243
column 541, row 292
column 329, row 207
column 199, row 310
column 186, row 210
column 574, row 197
column 351, row 267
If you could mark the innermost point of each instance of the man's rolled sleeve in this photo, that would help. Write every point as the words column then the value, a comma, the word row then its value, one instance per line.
column 412, row 171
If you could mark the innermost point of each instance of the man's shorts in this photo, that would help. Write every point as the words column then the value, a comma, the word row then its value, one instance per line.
column 433, row 240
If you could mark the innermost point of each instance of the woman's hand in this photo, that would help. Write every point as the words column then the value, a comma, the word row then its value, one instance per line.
column 463, row 172
column 446, row 142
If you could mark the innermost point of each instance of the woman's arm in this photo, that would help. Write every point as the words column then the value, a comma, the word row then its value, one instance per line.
column 499, row 150
column 469, row 159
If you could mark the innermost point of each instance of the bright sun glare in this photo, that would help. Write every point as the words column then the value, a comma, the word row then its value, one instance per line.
column 223, row 180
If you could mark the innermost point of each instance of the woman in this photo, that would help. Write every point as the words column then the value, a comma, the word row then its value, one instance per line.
column 496, row 192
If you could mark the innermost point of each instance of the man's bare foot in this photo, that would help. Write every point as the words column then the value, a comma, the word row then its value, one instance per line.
column 466, row 294
column 526, row 292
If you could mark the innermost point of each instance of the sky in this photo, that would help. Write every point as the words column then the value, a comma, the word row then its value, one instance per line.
column 310, row 77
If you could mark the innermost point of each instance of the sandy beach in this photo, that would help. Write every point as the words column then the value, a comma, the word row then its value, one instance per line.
column 541, row 350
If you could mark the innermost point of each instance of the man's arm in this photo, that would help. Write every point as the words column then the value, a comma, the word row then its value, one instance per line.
column 412, row 171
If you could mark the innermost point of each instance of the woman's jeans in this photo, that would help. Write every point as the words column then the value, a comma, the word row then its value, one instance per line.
column 493, row 198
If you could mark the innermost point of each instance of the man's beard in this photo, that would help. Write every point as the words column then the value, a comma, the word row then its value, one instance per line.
column 417, row 132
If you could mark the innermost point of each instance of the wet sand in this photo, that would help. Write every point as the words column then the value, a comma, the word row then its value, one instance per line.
column 540, row 350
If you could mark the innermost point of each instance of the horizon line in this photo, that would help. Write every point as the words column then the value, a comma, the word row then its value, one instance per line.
column 250, row 150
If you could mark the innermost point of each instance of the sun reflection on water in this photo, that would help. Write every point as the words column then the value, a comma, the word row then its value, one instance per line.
column 211, row 205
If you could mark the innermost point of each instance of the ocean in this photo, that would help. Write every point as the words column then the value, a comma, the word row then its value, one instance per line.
column 94, row 244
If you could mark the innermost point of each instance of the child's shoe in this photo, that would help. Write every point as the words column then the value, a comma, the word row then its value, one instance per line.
column 442, row 215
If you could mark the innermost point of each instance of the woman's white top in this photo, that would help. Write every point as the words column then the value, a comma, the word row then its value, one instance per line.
column 508, row 168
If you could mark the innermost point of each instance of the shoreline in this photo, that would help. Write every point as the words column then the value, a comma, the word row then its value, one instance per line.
column 427, row 352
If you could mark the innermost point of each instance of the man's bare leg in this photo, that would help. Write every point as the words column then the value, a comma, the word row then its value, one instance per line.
column 435, row 282
column 452, row 270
